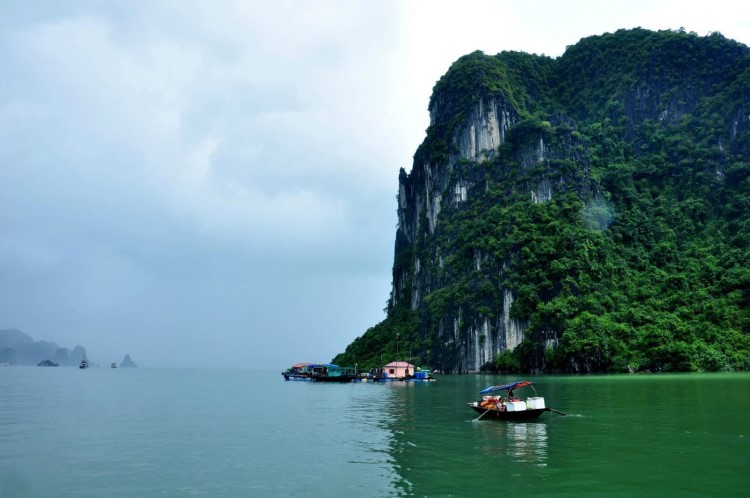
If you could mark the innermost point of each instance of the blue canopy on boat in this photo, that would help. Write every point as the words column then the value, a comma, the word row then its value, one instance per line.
column 506, row 387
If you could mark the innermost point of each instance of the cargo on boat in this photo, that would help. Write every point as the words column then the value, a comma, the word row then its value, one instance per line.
column 507, row 405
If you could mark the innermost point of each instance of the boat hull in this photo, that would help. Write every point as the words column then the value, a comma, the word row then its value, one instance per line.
column 505, row 415
column 339, row 378
column 288, row 376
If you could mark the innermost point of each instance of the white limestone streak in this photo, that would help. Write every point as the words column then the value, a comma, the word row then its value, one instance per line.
column 483, row 132
column 513, row 328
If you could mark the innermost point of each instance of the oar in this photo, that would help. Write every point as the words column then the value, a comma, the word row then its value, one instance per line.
column 486, row 411
column 557, row 411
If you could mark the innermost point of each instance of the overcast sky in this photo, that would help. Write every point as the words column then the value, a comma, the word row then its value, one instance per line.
column 212, row 183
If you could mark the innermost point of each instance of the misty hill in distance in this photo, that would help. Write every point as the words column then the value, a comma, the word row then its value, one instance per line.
column 127, row 362
column 17, row 348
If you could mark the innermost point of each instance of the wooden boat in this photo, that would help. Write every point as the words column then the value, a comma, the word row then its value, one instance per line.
column 328, row 372
column 84, row 363
column 320, row 372
column 300, row 371
column 508, row 406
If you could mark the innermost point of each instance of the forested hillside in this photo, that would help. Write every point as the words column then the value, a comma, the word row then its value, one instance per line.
column 587, row 213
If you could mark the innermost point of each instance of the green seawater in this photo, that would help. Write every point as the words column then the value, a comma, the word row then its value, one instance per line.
column 104, row 432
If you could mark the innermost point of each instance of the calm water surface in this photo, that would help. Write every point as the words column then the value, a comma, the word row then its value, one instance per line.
column 159, row 432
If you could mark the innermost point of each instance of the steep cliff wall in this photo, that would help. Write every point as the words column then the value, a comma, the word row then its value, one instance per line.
column 555, row 205
column 445, row 183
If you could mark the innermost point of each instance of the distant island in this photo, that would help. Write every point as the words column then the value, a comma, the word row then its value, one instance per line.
column 127, row 362
column 18, row 348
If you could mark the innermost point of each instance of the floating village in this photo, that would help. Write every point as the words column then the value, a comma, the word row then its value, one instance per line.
column 396, row 371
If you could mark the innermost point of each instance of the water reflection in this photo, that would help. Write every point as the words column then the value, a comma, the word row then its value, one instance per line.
column 523, row 442
column 528, row 443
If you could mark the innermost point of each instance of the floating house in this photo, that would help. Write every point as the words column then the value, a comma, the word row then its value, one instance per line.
column 398, row 369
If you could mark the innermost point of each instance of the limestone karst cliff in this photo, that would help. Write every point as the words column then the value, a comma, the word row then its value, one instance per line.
column 17, row 348
column 584, row 213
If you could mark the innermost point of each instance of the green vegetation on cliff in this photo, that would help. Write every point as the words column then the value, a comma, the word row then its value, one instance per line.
column 615, row 217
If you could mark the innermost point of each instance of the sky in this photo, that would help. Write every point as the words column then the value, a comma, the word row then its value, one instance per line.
column 213, row 183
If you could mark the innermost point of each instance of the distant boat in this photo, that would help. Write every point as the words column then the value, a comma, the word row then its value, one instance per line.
column 114, row 365
column 84, row 363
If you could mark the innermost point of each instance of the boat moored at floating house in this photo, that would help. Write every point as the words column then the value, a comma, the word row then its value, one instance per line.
column 300, row 371
column 320, row 372
column 422, row 375
column 329, row 372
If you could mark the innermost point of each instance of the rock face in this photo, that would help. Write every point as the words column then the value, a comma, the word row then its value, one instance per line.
column 432, row 188
column 484, row 130
column 441, row 183
column 482, row 126
column 127, row 362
